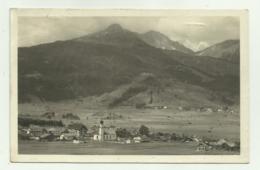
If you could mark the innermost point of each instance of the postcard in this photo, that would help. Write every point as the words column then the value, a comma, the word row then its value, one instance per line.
column 134, row 86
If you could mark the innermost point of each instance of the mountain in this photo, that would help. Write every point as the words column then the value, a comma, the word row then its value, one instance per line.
column 110, row 62
column 159, row 40
column 227, row 50
column 113, row 35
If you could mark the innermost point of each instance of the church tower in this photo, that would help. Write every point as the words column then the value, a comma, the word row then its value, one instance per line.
column 101, row 131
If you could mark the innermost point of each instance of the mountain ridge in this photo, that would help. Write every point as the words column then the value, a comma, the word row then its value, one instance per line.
column 228, row 50
column 104, row 61
column 159, row 40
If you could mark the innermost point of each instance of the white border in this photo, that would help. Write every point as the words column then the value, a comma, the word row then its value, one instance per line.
column 242, row 158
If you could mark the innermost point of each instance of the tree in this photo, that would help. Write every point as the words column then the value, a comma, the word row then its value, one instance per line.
column 123, row 133
column 143, row 130
column 80, row 127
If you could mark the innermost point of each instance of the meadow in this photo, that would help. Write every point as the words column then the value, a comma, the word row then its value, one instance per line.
column 214, row 125
column 108, row 148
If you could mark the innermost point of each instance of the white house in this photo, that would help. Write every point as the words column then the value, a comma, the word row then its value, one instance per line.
column 137, row 139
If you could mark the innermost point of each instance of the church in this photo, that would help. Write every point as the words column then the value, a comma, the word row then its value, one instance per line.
column 105, row 133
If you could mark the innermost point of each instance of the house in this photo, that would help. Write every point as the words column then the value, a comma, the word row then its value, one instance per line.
column 47, row 137
column 76, row 141
column 203, row 147
column 105, row 133
column 55, row 131
column 209, row 110
column 128, row 141
column 220, row 110
column 155, row 107
column 25, row 131
column 36, row 131
column 137, row 139
column 48, row 115
column 78, row 127
column 91, row 132
column 68, row 136
column 74, row 132
column 34, row 138
column 23, row 134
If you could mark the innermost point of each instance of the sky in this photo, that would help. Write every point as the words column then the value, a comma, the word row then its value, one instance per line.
column 195, row 33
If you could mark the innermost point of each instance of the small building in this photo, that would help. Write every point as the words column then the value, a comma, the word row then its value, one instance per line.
column 68, row 136
column 78, row 128
column 128, row 141
column 219, row 110
column 202, row 147
column 209, row 110
column 55, row 131
column 34, row 138
column 36, row 131
column 47, row 137
column 137, row 139
column 25, row 131
column 76, row 141
column 155, row 107
column 48, row 115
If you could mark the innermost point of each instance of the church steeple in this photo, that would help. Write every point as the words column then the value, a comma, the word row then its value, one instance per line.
column 101, row 131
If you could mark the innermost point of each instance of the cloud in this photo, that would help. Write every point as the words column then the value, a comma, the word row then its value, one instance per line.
column 197, row 24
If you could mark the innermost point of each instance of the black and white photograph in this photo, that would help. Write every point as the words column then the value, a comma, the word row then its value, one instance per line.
column 130, row 84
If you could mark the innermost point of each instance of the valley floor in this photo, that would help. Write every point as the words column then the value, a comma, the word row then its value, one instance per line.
column 105, row 148
column 212, row 125
column 215, row 125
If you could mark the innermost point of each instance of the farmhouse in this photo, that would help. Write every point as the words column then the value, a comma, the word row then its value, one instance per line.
column 36, row 131
column 70, row 134
column 137, row 139
column 105, row 133
column 55, row 131
column 49, row 115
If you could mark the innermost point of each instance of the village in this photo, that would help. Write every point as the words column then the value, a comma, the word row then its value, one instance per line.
column 51, row 130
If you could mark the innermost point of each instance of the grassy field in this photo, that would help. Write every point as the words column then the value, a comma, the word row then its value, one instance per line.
column 95, row 148
column 214, row 125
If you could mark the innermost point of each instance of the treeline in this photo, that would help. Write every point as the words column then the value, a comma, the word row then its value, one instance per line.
column 26, row 122
column 124, row 133
column 70, row 116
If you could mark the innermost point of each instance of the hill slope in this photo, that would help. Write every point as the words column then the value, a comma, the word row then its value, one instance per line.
column 105, row 61
column 227, row 50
